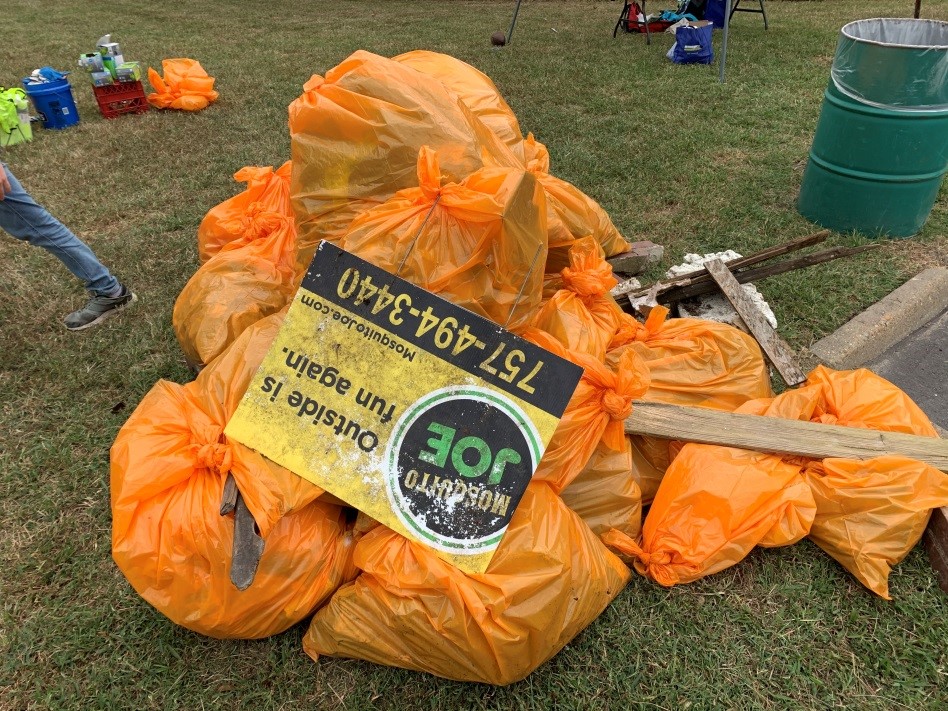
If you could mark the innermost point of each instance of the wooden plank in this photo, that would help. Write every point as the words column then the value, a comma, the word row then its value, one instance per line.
column 741, row 262
column 680, row 293
column 229, row 497
column 772, row 434
column 638, row 258
column 248, row 547
column 777, row 350
column 936, row 545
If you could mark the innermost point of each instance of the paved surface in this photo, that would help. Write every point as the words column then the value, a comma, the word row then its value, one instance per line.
column 887, row 322
column 919, row 365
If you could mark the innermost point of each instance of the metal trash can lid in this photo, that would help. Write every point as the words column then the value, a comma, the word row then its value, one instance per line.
column 894, row 63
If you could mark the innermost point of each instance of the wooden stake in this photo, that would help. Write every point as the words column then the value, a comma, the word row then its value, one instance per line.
column 749, row 275
column 741, row 262
column 777, row 435
column 248, row 547
column 936, row 544
column 777, row 350
column 229, row 497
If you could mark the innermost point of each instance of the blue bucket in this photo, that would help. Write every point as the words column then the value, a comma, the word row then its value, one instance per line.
column 54, row 102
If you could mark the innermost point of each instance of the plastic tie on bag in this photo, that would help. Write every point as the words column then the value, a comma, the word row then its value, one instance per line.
column 656, row 566
column 213, row 453
column 630, row 330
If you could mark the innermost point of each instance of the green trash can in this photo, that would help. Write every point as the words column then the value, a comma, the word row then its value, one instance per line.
column 881, row 146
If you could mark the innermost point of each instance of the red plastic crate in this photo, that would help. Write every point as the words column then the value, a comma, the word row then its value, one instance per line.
column 121, row 98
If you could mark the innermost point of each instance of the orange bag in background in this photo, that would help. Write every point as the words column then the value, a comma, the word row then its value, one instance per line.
column 605, row 494
column 355, row 139
column 548, row 580
column 478, row 243
column 871, row 513
column 185, row 86
column 693, row 362
column 595, row 413
column 474, row 88
column 230, row 222
column 577, row 214
column 169, row 464
column 237, row 287
column 713, row 506
column 581, row 314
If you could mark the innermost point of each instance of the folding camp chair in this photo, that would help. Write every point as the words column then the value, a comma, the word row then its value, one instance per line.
column 761, row 11
column 629, row 20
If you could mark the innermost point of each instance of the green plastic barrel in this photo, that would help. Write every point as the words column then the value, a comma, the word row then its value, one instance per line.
column 880, row 151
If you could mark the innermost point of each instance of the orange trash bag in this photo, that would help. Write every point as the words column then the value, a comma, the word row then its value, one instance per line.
column 247, row 280
column 576, row 214
column 548, row 580
column 605, row 494
column 228, row 222
column 478, row 243
column 185, row 86
column 169, row 464
column 595, row 413
column 713, row 506
column 355, row 138
column 871, row 513
column 582, row 315
column 694, row 362
column 474, row 88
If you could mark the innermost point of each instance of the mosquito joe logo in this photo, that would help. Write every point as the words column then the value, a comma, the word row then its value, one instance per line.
column 457, row 465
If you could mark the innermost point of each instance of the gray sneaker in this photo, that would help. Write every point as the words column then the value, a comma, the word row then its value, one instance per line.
column 98, row 309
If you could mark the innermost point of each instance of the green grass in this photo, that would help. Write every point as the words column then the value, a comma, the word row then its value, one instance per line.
column 673, row 156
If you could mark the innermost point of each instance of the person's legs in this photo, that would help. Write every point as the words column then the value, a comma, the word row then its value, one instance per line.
column 22, row 217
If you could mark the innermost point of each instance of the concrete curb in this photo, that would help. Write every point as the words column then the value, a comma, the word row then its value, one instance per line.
column 886, row 322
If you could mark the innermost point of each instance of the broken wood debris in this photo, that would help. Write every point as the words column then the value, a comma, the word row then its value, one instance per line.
column 776, row 349
column 780, row 436
column 248, row 547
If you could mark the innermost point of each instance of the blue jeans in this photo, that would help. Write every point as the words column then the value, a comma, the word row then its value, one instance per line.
column 23, row 218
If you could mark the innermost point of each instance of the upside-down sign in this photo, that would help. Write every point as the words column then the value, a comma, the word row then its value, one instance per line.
column 427, row 417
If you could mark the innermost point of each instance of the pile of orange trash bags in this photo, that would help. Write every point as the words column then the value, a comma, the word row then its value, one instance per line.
column 715, row 504
column 185, row 86
column 417, row 165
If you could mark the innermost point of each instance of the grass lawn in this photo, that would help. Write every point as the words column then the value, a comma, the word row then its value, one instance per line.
column 672, row 155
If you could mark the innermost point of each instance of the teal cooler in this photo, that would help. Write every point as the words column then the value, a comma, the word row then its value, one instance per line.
column 880, row 151
column 53, row 100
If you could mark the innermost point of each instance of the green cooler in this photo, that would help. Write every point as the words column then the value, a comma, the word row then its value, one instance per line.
column 881, row 146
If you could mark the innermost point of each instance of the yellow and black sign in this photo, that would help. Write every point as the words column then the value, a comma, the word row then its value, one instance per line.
column 427, row 417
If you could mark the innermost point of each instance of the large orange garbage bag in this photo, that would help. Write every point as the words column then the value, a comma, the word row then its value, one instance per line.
column 479, row 243
column 595, row 413
column 871, row 513
column 713, row 506
column 605, row 494
column 169, row 464
column 548, row 580
column 474, row 88
column 231, row 221
column 237, row 287
column 185, row 86
column 693, row 362
column 577, row 215
column 355, row 139
column 582, row 315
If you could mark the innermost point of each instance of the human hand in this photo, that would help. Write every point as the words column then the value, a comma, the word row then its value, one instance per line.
column 5, row 186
